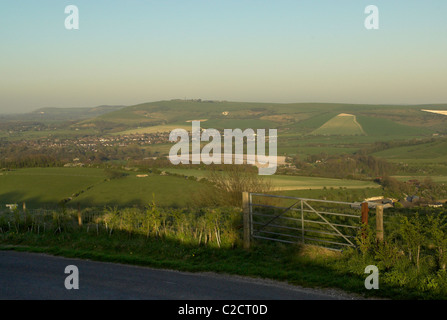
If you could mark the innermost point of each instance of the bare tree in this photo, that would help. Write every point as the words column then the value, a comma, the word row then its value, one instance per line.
column 229, row 181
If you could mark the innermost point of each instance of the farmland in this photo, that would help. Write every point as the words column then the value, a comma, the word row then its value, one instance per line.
column 45, row 186
column 298, row 118
column 431, row 152
column 299, row 125
column 39, row 187
column 342, row 124
column 411, row 138
column 92, row 187
column 154, row 129
column 283, row 182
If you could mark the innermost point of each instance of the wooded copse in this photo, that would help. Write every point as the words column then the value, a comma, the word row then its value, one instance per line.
column 344, row 166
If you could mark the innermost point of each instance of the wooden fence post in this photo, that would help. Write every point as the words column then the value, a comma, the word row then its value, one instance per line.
column 79, row 216
column 246, row 219
column 379, row 223
column 24, row 212
column 365, row 211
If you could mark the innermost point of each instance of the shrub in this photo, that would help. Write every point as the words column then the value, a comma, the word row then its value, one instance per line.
column 412, row 232
column 437, row 239
column 228, row 183
column 114, row 174
column 387, row 253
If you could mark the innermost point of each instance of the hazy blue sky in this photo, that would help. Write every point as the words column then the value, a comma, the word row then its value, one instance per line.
column 134, row 51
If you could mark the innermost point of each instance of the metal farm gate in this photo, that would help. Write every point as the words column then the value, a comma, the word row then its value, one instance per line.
column 329, row 224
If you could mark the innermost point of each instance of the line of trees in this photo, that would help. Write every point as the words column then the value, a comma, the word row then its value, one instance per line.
column 426, row 189
column 22, row 156
column 347, row 166
column 31, row 160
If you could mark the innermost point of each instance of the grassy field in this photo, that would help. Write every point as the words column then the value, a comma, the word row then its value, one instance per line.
column 39, row 187
column 166, row 191
column 239, row 124
column 303, row 183
column 155, row 129
column 215, row 124
column 45, row 186
column 433, row 152
column 436, row 179
column 283, row 183
column 383, row 127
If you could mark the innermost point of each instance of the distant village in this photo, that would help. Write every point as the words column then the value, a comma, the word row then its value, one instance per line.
column 92, row 141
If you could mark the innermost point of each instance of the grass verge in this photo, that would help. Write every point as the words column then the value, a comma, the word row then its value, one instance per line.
column 296, row 264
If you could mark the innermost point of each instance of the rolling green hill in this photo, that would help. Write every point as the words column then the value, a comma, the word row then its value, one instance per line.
column 292, row 118
column 295, row 122
column 303, row 128
column 61, row 114
column 342, row 124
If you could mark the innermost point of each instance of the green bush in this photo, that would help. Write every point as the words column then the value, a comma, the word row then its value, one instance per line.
column 413, row 255
column 216, row 226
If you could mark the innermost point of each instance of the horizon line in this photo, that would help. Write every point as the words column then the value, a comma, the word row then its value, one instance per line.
column 222, row 101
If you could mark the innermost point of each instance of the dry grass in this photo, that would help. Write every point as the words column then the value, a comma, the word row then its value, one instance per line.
column 315, row 252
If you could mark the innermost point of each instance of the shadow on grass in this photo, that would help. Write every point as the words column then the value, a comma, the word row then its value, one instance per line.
column 294, row 264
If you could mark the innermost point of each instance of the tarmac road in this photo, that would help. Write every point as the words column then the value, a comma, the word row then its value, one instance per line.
column 31, row 276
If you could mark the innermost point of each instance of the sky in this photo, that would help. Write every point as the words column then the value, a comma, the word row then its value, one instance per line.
column 134, row 51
